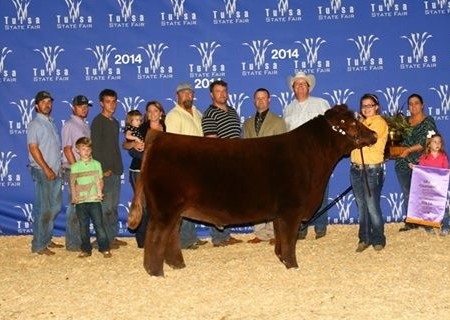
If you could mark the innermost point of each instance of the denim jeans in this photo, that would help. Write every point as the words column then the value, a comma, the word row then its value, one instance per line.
column 86, row 212
column 46, row 206
column 72, row 235
column 371, row 222
column 404, row 179
column 219, row 235
column 188, row 233
column 321, row 223
column 111, row 194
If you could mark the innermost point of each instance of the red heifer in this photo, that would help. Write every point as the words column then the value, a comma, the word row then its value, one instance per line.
column 239, row 181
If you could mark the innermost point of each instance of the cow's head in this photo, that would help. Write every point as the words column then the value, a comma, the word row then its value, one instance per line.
column 345, row 122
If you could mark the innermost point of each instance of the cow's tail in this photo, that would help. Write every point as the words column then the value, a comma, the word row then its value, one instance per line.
column 137, row 205
column 135, row 212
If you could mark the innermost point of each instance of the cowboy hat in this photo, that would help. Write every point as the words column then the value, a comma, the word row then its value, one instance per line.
column 309, row 78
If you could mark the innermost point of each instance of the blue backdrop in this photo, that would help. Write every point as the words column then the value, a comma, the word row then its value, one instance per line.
column 143, row 49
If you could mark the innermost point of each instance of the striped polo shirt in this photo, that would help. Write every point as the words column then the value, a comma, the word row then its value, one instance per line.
column 224, row 124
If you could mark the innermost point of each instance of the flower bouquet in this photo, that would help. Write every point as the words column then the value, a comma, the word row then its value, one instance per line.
column 398, row 128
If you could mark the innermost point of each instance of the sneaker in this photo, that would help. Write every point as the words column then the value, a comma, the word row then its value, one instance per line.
column 55, row 245
column 230, row 241
column 444, row 233
column 362, row 246
column 84, row 254
column 201, row 242
column 46, row 252
column 302, row 235
column 408, row 226
column 119, row 242
column 107, row 254
column 193, row 246
column 378, row 247
column 320, row 235
column 430, row 230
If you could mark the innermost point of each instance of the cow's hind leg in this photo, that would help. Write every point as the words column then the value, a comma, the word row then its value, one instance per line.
column 287, row 234
column 155, row 247
column 173, row 255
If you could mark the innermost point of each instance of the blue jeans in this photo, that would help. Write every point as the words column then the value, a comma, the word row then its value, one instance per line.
column 86, row 212
column 46, row 206
column 219, row 235
column 321, row 223
column 188, row 233
column 111, row 194
column 139, row 233
column 404, row 179
column 72, row 235
column 371, row 222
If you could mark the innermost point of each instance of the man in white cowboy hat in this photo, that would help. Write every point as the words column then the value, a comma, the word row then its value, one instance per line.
column 302, row 109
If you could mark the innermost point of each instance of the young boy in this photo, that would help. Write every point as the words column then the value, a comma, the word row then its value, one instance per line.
column 86, row 184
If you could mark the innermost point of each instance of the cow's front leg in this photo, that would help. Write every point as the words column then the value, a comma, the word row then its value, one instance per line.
column 173, row 255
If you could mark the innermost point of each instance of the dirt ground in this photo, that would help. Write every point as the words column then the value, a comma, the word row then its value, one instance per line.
column 409, row 279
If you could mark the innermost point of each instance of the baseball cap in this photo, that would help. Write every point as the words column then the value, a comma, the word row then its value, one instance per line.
column 41, row 95
column 81, row 100
column 184, row 86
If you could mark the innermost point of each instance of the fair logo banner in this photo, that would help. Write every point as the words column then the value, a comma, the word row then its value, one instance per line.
column 428, row 195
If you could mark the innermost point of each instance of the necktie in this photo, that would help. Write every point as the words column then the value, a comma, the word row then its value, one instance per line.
column 258, row 123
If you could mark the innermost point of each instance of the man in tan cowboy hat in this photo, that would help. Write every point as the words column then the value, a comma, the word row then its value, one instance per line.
column 302, row 109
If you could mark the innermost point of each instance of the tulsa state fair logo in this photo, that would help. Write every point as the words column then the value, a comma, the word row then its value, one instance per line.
column 6, row 75
column 259, row 66
column 123, row 214
column 395, row 201
column 393, row 96
column 207, row 68
column 50, row 72
column 335, row 11
column 365, row 61
column 436, row 7
column 236, row 100
column 230, row 14
column 339, row 96
column 388, row 9
column 178, row 16
column 417, row 59
column 25, row 108
column 128, row 104
column 126, row 18
column 283, row 98
column 344, row 213
column 312, row 64
column 73, row 19
column 21, row 21
column 282, row 13
column 25, row 227
column 8, row 179
column 102, row 71
column 154, row 69
column 442, row 111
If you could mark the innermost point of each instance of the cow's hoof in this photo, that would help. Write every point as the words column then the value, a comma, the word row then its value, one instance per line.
column 290, row 265
column 156, row 273
column 177, row 265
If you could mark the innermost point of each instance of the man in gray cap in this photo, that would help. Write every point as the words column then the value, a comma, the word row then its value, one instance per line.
column 73, row 129
column 185, row 119
column 302, row 109
column 44, row 149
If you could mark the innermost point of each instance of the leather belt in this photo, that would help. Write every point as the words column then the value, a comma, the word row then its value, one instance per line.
column 367, row 166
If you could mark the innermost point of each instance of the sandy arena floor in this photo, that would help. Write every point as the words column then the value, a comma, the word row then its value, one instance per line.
column 410, row 279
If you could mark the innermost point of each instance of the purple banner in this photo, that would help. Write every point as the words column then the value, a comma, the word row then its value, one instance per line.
column 428, row 195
